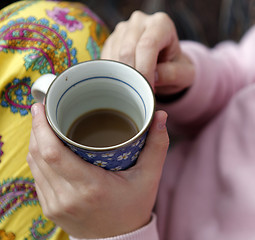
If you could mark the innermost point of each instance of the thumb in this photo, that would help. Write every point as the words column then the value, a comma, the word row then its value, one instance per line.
column 173, row 77
column 154, row 153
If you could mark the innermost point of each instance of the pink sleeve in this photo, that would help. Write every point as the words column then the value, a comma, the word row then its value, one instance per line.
column 148, row 232
column 220, row 73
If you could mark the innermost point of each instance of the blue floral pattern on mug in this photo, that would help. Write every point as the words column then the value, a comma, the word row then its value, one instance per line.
column 114, row 160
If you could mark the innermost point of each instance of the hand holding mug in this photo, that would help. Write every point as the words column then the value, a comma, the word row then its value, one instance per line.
column 87, row 201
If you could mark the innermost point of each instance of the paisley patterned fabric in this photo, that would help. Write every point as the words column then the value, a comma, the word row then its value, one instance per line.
column 36, row 37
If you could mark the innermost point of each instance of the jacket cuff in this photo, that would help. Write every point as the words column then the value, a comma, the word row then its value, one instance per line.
column 148, row 232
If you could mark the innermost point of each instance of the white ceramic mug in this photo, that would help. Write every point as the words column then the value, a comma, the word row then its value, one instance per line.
column 95, row 85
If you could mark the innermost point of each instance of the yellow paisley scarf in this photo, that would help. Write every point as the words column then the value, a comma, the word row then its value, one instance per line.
column 36, row 37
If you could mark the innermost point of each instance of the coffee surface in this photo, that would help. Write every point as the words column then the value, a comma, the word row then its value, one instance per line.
column 102, row 128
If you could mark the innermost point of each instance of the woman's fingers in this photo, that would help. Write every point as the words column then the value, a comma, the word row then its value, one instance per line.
column 174, row 76
column 142, row 41
column 159, row 36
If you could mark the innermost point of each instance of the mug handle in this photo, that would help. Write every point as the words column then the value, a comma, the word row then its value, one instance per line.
column 41, row 86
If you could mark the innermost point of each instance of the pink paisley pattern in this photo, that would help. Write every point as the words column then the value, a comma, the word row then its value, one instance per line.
column 14, row 193
column 48, row 49
column 60, row 15
column 40, row 224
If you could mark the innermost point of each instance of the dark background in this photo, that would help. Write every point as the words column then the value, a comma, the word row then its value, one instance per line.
column 207, row 21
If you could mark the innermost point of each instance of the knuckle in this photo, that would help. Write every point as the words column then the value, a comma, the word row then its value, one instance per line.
column 120, row 26
column 51, row 154
column 29, row 159
column 54, row 209
column 162, row 17
column 67, row 206
column 52, row 212
column 93, row 194
column 32, row 150
column 136, row 15
column 147, row 42
column 46, row 211
column 126, row 51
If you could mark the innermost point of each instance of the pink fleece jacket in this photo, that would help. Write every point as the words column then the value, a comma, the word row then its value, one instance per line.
column 207, row 190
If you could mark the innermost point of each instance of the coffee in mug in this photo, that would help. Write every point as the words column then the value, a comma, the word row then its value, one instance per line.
column 102, row 128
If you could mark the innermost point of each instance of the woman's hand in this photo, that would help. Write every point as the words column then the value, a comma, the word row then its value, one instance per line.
column 150, row 44
column 85, row 200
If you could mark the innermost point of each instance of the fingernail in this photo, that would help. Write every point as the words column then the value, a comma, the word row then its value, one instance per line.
column 34, row 110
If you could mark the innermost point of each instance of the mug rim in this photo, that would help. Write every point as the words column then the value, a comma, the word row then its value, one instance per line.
column 100, row 149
